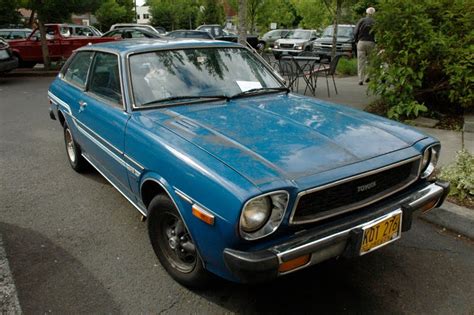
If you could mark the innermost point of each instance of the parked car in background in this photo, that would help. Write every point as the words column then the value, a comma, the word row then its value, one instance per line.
column 219, row 33
column 132, row 32
column 8, row 61
column 14, row 33
column 190, row 34
column 61, row 44
column 83, row 30
column 270, row 37
column 236, row 175
column 159, row 30
column 294, row 42
column 345, row 44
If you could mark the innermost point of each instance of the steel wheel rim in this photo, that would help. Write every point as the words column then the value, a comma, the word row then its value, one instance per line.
column 176, row 244
column 71, row 152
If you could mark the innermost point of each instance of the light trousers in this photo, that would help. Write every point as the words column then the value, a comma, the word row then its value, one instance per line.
column 363, row 51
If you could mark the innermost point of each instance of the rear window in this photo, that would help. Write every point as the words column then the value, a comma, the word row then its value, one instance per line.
column 77, row 70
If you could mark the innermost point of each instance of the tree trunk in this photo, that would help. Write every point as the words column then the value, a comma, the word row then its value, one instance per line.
column 44, row 45
column 32, row 18
column 334, row 33
column 243, row 22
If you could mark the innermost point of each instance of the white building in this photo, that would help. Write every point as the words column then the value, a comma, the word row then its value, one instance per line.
column 143, row 15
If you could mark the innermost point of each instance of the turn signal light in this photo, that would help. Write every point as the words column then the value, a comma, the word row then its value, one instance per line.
column 294, row 263
column 203, row 215
column 430, row 205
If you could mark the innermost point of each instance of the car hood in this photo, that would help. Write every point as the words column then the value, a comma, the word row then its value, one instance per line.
column 284, row 137
column 291, row 41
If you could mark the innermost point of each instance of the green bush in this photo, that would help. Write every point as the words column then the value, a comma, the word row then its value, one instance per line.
column 347, row 66
column 425, row 56
column 461, row 175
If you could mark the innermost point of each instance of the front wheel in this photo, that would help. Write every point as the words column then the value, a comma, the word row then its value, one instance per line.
column 173, row 245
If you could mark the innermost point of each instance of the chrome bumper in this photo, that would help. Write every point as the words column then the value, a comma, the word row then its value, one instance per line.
column 341, row 237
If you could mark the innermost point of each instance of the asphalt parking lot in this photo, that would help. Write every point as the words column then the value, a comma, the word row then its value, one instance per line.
column 75, row 245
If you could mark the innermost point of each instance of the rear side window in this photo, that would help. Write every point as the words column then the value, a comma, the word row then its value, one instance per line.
column 76, row 72
column 105, row 78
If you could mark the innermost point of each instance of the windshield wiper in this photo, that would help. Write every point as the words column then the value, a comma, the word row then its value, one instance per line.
column 194, row 99
column 263, row 90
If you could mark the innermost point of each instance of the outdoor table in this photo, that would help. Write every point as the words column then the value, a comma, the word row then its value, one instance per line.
column 304, row 66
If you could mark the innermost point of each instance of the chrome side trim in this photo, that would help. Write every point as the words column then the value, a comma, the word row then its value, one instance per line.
column 91, row 135
column 363, row 203
column 191, row 201
column 183, row 196
column 134, row 162
column 140, row 209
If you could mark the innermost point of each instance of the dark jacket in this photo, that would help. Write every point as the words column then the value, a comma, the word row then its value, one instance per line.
column 363, row 30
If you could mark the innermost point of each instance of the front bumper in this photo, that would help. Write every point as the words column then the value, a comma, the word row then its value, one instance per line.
column 340, row 238
column 7, row 65
column 293, row 52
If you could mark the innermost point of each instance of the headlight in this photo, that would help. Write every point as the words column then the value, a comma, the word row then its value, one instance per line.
column 299, row 47
column 255, row 214
column 276, row 46
column 347, row 46
column 429, row 160
column 262, row 215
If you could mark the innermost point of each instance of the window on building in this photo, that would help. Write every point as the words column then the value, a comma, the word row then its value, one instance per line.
column 138, row 16
column 146, row 16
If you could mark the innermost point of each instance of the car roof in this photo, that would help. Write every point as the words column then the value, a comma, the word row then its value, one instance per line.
column 125, row 47
column 15, row 29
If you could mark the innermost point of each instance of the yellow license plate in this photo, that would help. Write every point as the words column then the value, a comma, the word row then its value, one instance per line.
column 382, row 232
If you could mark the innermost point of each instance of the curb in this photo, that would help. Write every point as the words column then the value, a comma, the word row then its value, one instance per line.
column 468, row 123
column 9, row 303
column 453, row 217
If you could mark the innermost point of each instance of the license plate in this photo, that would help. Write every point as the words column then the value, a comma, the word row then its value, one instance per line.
column 382, row 232
column 4, row 54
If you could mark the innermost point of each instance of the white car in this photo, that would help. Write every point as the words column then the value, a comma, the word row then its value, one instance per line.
column 145, row 26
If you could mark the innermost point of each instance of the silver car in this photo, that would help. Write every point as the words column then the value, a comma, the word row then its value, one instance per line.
column 295, row 42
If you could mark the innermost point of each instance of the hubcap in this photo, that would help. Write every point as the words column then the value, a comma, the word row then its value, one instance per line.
column 70, row 146
column 176, row 244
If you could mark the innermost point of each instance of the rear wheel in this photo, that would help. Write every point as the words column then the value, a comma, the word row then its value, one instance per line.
column 74, row 156
column 173, row 245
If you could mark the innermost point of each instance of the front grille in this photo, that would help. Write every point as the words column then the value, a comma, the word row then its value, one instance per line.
column 286, row 46
column 353, row 193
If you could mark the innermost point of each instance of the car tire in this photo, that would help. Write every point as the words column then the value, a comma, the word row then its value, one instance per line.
column 73, row 152
column 173, row 244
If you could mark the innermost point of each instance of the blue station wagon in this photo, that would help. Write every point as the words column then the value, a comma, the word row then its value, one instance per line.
column 236, row 176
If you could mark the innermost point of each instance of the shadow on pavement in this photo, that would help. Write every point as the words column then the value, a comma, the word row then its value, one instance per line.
column 49, row 279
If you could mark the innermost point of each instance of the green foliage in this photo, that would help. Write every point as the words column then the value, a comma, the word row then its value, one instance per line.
column 281, row 12
column 111, row 12
column 347, row 66
column 426, row 55
column 59, row 11
column 211, row 12
column 8, row 12
column 314, row 14
column 176, row 14
column 461, row 175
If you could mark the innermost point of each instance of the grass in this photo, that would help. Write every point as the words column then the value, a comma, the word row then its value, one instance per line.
column 347, row 66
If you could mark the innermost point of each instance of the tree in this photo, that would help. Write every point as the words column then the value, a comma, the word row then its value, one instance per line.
column 8, row 12
column 335, row 9
column 110, row 12
column 211, row 12
column 174, row 14
column 281, row 12
column 314, row 13
column 243, row 22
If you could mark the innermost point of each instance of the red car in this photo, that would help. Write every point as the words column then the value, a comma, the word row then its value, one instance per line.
column 60, row 44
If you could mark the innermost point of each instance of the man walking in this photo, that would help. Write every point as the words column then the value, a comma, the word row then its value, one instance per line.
column 365, row 43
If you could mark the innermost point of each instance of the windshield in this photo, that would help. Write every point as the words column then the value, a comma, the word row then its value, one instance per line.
column 197, row 72
column 342, row 31
column 299, row 35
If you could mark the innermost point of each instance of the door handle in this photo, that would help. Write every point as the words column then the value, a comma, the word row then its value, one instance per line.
column 82, row 106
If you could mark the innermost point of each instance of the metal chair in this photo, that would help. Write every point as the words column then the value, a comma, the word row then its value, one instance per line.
column 328, row 70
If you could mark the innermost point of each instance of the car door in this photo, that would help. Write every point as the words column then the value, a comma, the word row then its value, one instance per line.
column 103, row 118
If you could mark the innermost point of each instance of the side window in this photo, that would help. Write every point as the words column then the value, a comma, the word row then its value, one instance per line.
column 76, row 72
column 105, row 78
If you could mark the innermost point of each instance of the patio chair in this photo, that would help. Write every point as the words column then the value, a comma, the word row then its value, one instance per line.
column 289, row 70
column 328, row 69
